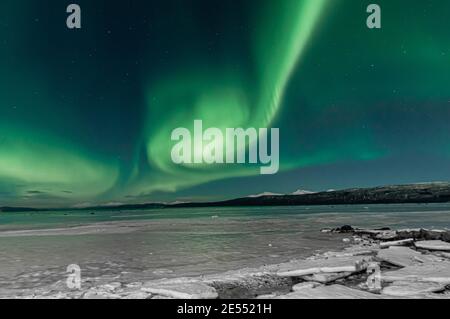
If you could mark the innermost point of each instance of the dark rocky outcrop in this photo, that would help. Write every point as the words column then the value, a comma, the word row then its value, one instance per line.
column 385, row 234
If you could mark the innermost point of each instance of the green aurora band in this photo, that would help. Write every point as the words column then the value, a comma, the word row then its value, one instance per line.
column 222, row 98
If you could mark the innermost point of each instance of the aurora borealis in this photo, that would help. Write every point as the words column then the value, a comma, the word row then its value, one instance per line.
column 86, row 115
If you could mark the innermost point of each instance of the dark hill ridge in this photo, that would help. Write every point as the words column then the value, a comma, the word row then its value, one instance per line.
column 95, row 208
column 126, row 207
column 397, row 194
column 18, row 209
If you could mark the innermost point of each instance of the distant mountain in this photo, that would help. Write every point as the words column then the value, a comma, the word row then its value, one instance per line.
column 438, row 192
column 264, row 194
column 302, row 192
column 96, row 208
column 298, row 192
column 125, row 207
column 18, row 209
column 397, row 194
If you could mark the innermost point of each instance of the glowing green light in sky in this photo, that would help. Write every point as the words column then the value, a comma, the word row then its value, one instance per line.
column 221, row 97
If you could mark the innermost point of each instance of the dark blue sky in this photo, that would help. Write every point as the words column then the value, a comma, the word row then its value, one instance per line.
column 86, row 115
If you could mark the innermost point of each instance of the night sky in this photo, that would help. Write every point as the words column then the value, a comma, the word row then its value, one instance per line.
column 86, row 115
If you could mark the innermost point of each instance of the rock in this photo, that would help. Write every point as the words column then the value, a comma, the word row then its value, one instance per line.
column 181, row 289
column 350, row 252
column 380, row 234
column 437, row 272
column 440, row 296
column 326, row 278
column 433, row 245
column 134, row 285
column 386, row 235
column 446, row 236
column 270, row 296
column 436, row 234
column 404, row 242
column 111, row 286
column 442, row 254
column 332, row 265
column 404, row 256
column 137, row 295
column 344, row 229
column 408, row 288
column 346, row 240
column 424, row 234
column 305, row 285
column 162, row 272
column 56, row 296
column 409, row 233
column 330, row 292
column 98, row 294
column 162, row 297
column 240, row 275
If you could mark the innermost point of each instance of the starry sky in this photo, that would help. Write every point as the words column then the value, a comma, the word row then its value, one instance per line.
column 86, row 115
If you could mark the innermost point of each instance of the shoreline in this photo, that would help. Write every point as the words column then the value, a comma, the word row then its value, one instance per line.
column 377, row 264
column 419, row 193
column 117, row 221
